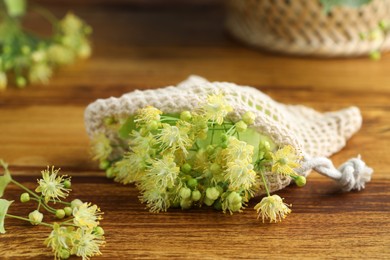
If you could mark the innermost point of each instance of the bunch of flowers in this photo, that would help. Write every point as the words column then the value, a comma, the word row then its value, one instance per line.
column 197, row 158
column 29, row 57
column 77, row 230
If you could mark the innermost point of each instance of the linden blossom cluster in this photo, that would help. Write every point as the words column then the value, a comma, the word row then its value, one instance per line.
column 80, row 234
column 32, row 58
column 196, row 158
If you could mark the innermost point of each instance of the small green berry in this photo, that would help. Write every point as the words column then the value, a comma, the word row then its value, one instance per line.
column 104, row 164
column 186, row 168
column 25, row 197
column 60, row 213
column 300, row 181
column 234, row 198
column 196, row 195
column 208, row 201
column 248, row 118
column 99, row 231
column 67, row 184
column 212, row 193
column 185, row 193
column 192, row 183
column 110, row 173
column 186, row 116
column 68, row 211
column 241, row 126
column 35, row 217
column 76, row 203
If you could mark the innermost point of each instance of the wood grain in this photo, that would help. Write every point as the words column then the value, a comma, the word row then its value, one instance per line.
column 142, row 47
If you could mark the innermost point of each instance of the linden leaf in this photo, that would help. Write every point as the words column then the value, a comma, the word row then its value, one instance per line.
column 4, row 205
column 5, row 179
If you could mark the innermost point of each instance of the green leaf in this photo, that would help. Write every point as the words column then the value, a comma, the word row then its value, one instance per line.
column 329, row 4
column 4, row 205
column 5, row 179
column 126, row 128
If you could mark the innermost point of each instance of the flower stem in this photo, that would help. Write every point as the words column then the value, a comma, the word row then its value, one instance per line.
column 26, row 219
column 46, row 207
column 25, row 188
column 265, row 183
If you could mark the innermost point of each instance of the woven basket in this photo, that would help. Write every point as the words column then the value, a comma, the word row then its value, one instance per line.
column 302, row 27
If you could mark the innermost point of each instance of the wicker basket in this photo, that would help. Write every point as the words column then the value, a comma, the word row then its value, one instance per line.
column 302, row 27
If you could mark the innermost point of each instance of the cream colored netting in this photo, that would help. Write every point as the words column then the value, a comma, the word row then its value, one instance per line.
column 314, row 134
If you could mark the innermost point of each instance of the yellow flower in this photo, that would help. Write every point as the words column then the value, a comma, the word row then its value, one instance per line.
column 59, row 240
column 162, row 173
column 40, row 73
column 86, row 215
column 71, row 24
column 240, row 175
column 272, row 208
column 101, row 147
column 86, row 243
column 59, row 54
column 147, row 115
column 173, row 137
column 52, row 186
column 239, row 150
column 285, row 160
column 131, row 167
column 217, row 108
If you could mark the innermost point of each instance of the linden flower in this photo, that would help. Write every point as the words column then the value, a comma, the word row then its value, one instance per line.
column 52, row 186
column 40, row 73
column 101, row 147
column 285, row 161
column 71, row 24
column 163, row 173
column 86, row 243
column 147, row 115
column 272, row 208
column 239, row 150
column 217, row 108
column 59, row 240
column 131, row 167
column 174, row 137
column 156, row 200
column 86, row 215
column 240, row 175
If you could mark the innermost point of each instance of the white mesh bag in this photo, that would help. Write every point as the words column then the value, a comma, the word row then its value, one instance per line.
column 316, row 135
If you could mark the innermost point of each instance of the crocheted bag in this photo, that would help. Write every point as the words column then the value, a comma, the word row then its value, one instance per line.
column 316, row 135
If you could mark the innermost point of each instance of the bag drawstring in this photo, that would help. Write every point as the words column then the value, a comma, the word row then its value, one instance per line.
column 351, row 175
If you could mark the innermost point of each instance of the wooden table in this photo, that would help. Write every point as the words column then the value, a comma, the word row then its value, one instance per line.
column 138, row 47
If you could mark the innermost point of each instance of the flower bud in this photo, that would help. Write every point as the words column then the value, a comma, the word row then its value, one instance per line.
column 241, row 126
column 186, row 168
column 21, row 82
column 224, row 137
column 76, row 203
column 104, row 164
column 234, row 198
column 248, row 118
column 212, row 193
column 215, row 168
column 110, row 173
column 300, row 181
column 35, row 217
column 186, row 116
column 60, row 213
column 185, row 193
column 98, row 231
column 208, row 201
column 196, row 195
column 185, row 203
column 25, row 197
column 192, row 183
column 68, row 211
column 67, row 184
column 64, row 253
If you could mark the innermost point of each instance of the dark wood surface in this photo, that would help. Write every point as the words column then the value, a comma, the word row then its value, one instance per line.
column 139, row 47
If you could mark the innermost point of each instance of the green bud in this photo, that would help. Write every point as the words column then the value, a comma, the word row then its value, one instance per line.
column 25, row 197
column 64, row 253
column 76, row 203
column 215, row 168
column 104, row 164
column 210, row 149
column 185, row 203
column 98, row 231
column 153, row 126
column 235, row 207
column 25, row 49
column 185, row 116
column 35, row 217
column 224, row 145
column 212, row 193
column 224, row 137
column 208, row 201
column 248, row 118
column 186, row 168
column 67, row 184
column 185, row 193
column 241, row 126
column 68, row 211
column 300, row 181
column 21, row 82
column 110, row 173
column 196, row 195
column 234, row 198
column 192, row 183
column 60, row 213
